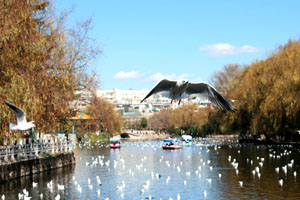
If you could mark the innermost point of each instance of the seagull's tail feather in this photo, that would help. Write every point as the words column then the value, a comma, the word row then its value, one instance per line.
column 12, row 127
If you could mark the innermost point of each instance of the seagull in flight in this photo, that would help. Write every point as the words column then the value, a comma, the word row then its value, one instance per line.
column 21, row 119
column 183, row 89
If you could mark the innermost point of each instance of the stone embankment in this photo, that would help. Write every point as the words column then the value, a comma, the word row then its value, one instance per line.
column 28, row 167
column 30, row 157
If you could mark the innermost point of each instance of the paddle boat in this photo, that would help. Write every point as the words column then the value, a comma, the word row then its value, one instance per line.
column 171, row 144
column 186, row 140
column 114, row 143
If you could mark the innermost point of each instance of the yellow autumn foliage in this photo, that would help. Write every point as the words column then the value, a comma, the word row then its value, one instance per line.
column 42, row 63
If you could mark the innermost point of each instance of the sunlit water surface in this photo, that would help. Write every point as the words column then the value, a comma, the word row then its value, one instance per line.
column 143, row 170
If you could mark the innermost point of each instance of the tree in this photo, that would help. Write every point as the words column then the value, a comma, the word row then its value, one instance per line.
column 222, row 80
column 268, row 94
column 106, row 117
column 160, row 122
column 144, row 123
column 42, row 63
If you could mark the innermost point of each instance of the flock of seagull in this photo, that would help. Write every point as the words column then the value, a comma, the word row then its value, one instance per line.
column 136, row 173
column 175, row 90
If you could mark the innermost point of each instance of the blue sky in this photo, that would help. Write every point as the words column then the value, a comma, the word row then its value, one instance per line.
column 145, row 41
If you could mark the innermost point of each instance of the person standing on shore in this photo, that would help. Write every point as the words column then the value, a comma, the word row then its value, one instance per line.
column 67, row 135
column 26, row 136
column 32, row 136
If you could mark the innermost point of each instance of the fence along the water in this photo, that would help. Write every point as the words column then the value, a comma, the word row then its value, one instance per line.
column 46, row 145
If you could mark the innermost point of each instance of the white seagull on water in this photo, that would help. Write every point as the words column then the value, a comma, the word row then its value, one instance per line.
column 183, row 89
column 22, row 125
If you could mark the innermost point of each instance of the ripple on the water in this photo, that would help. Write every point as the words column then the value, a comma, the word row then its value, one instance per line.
column 209, row 169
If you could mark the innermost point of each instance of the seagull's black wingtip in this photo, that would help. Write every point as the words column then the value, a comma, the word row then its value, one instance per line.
column 8, row 103
column 233, row 110
column 143, row 100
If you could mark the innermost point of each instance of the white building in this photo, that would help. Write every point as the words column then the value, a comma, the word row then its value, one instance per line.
column 84, row 99
column 117, row 96
column 129, row 102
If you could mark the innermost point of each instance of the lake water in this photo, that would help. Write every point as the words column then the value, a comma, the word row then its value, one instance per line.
column 209, row 169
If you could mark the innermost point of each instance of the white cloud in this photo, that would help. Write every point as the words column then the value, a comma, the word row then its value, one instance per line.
column 224, row 49
column 126, row 75
column 197, row 80
column 159, row 76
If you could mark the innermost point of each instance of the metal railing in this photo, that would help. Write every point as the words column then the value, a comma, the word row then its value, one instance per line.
column 42, row 147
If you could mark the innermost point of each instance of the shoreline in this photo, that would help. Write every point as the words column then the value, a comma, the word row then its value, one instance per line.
column 223, row 136
column 27, row 167
column 268, row 142
column 144, row 136
column 232, row 136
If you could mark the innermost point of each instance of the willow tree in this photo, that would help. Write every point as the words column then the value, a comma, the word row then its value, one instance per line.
column 42, row 62
column 268, row 93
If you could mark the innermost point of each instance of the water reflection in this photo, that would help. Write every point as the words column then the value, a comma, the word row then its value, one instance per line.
column 206, row 170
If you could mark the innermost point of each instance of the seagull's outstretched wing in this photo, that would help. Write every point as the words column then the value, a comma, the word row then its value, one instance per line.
column 163, row 85
column 21, row 116
column 206, row 90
